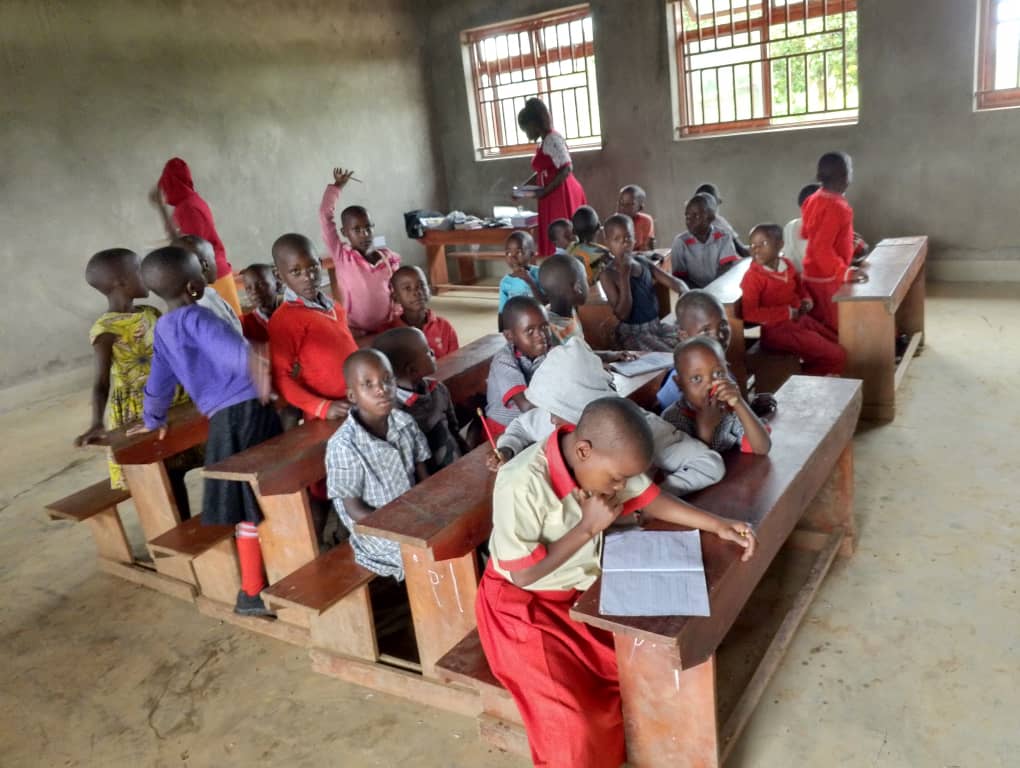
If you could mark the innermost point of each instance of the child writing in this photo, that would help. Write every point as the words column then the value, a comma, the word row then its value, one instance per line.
column 828, row 226
column 363, row 271
column 561, row 235
column 573, row 377
column 587, row 226
column 427, row 400
column 310, row 337
column 713, row 191
column 632, row 203
column 210, row 298
column 774, row 297
column 229, row 385
column 122, row 342
column 376, row 455
column 704, row 251
column 523, row 277
column 526, row 330
column 262, row 289
column 711, row 408
column 551, row 505
column 629, row 282
column 411, row 294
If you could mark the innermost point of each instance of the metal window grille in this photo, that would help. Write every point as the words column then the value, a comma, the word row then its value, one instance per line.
column 551, row 56
column 998, row 54
column 744, row 65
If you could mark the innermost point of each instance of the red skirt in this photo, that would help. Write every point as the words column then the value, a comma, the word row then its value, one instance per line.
column 559, row 204
column 561, row 673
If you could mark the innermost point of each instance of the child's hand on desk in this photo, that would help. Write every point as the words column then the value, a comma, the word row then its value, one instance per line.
column 739, row 533
column 856, row 275
column 338, row 409
column 617, row 357
column 494, row 462
column 341, row 176
column 141, row 429
column 94, row 434
column 598, row 512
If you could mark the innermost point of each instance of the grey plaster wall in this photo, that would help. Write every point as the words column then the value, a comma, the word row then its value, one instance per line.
column 261, row 98
column 925, row 162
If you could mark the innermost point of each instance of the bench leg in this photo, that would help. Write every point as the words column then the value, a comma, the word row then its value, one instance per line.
column 832, row 508
column 466, row 270
column 867, row 331
column 108, row 533
column 435, row 256
column 442, row 596
column 667, row 725
column 287, row 534
column 910, row 315
column 218, row 572
column 347, row 627
column 153, row 497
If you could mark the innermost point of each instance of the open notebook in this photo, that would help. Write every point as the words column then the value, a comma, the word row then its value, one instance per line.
column 653, row 573
column 648, row 362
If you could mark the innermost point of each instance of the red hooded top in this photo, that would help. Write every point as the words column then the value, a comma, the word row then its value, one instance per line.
column 191, row 213
column 827, row 223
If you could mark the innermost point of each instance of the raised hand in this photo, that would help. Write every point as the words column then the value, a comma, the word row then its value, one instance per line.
column 341, row 176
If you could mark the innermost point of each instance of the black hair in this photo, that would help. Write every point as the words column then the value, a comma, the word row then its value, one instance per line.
column 514, row 308
column 772, row 231
column 559, row 273
column 697, row 299
column 556, row 226
column 104, row 267
column 586, row 223
column 618, row 220
column 363, row 356
column 634, row 189
column 617, row 425
column 709, row 189
column 707, row 200
column 833, row 166
column 806, row 191
column 705, row 342
column 398, row 346
column 524, row 240
column 537, row 113
column 294, row 241
column 258, row 267
column 407, row 269
column 352, row 211
column 167, row 271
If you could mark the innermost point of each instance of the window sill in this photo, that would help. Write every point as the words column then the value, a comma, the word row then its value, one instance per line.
column 770, row 129
column 531, row 153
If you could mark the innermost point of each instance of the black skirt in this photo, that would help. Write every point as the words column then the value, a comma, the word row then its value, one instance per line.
column 232, row 430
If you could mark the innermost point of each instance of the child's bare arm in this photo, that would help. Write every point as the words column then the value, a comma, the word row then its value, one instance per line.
column 522, row 403
column 662, row 277
column 672, row 510
column 356, row 508
column 420, row 471
column 754, row 430
column 555, row 181
column 156, row 196
column 103, row 349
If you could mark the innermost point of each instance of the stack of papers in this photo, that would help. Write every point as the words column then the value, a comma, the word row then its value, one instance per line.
column 653, row 573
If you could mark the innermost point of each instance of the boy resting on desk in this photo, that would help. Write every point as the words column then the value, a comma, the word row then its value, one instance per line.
column 526, row 330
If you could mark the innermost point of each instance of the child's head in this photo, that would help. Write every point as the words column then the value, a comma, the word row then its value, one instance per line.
column 835, row 171
column 700, row 363
column 261, row 285
column 712, row 190
column 409, row 353
column 116, row 270
column 586, row 224
column 619, row 234
column 534, row 119
column 410, row 289
column 296, row 265
column 370, row 383
column 632, row 200
column 561, row 233
column 699, row 213
column 203, row 249
column 806, row 191
column 520, row 250
column 563, row 281
column 357, row 227
column 766, row 244
column 699, row 313
column 612, row 443
column 174, row 274
column 525, row 326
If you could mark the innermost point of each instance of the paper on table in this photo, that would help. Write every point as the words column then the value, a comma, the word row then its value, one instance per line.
column 653, row 573
column 648, row 362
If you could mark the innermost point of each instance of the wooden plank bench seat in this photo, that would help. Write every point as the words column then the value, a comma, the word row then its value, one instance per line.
column 202, row 555
column 97, row 507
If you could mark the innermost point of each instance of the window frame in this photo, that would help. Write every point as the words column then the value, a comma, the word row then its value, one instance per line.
column 986, row 96
column 682, row 129
column 494, row 147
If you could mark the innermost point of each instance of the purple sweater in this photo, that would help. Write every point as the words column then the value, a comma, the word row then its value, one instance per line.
column 194, row 348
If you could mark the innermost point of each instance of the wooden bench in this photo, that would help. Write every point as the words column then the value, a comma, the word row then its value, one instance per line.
column 872, row 313
column 96, row 506
column 801, row 493
column 436, row 242
column 202, row 555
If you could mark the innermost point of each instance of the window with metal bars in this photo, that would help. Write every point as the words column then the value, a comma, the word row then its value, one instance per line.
column 998, row 54
column 744, row 65
column 551, row 56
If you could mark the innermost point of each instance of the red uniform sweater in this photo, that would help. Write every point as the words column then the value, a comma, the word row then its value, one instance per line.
column 441, row 336
column 308, row 348
column 828, row 226
column 768, row 295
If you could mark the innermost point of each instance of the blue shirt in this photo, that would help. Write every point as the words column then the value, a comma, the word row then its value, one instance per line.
column 201, row 352
column 511, row 286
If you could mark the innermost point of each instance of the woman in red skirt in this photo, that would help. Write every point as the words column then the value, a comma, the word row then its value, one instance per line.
column 561, row 192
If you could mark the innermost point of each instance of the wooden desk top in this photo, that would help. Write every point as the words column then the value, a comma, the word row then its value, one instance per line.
column 815, row 421
column 891, row 267
column 726, row 287
column 485, row 236
column 188, row 428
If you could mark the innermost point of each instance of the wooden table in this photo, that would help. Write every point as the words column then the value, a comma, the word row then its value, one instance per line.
column 667, row 664
column 872, row 313
column 436, row 242
column 727, row 289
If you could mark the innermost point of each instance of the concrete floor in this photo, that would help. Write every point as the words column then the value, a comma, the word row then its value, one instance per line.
column 908, row 657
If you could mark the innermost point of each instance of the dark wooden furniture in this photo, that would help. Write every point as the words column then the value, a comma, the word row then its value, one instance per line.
column 436, row 241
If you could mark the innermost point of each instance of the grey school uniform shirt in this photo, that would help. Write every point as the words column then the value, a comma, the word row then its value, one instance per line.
column 698, row 263
column 509, row 374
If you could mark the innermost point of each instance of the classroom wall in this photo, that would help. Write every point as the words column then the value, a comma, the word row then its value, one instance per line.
column 261, row 98
column 925, row 163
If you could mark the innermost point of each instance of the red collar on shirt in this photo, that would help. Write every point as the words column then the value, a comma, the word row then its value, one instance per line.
column 428, row 319
column 430, row 385
column 562, row 481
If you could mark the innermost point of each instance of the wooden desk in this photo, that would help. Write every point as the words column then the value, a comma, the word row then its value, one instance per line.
column 727, row 289
column 872, row 313
column 667, row 664
column 437, row 240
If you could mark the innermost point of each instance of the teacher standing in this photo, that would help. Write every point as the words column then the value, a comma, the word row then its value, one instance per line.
column 561, row 193
column 191, row 216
